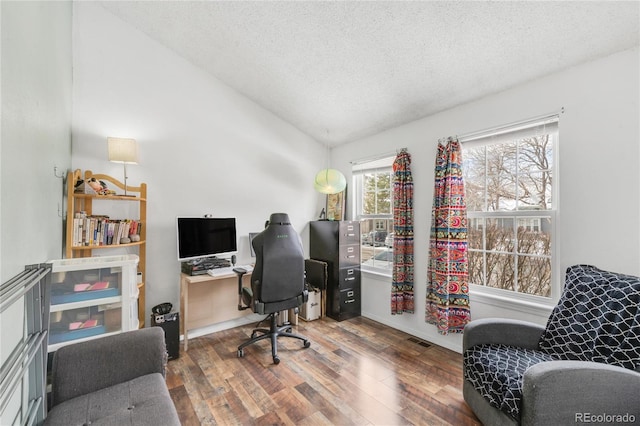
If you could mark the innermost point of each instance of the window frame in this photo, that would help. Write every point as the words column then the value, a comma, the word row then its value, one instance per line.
column 359, row 170
column 510, row 134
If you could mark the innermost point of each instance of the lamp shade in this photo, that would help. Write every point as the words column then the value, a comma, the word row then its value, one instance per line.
column 123, row 150
column 330, row 181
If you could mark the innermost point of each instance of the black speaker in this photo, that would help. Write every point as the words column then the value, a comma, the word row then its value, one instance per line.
column 170, row 323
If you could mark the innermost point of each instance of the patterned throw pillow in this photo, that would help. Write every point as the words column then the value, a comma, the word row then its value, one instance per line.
column 597, row 319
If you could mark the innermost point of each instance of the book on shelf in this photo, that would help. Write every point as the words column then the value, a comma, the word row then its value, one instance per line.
column 100, row 230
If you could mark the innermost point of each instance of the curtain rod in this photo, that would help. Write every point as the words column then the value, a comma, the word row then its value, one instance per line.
column 377, row 156
column 467, row 137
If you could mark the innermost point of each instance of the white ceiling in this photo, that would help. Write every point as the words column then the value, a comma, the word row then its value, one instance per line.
column 340, row 71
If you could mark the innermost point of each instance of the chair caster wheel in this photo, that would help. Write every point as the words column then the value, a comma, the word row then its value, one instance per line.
column 307, row 343
column 253, row 335
column 276, row 360
column 240, row 353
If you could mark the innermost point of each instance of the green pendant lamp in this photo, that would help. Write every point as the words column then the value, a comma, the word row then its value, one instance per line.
column 330, row 181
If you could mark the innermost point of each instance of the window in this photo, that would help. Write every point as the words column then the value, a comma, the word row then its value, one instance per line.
column 511, row 207
column 373, row 207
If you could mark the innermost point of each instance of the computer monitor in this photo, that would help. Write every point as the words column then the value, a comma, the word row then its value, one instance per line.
column 200, row 237
column 252, row 235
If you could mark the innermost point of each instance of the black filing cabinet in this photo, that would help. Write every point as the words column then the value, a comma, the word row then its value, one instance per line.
column 338, row 244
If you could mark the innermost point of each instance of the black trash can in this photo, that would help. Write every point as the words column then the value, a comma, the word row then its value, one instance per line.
column 170, row 323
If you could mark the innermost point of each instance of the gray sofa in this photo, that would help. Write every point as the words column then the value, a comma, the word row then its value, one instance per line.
column 115, row 380
column 583, row 367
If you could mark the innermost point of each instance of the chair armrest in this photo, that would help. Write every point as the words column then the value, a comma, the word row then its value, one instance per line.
column 85, row 367
column 504, row 331
column 570, row 392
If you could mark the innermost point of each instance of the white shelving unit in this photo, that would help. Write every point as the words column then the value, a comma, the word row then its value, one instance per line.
column 92, row 297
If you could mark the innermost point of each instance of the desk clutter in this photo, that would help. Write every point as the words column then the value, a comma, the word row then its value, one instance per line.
column 202, row 266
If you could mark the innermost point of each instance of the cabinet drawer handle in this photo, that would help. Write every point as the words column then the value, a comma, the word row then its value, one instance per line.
column 350, row 301
column 350, row 279
column 351, row 235
column 350, row 250
column 350, row 293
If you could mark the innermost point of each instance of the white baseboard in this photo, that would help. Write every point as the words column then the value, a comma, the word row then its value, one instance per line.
column 202, row 331
column 451, row 342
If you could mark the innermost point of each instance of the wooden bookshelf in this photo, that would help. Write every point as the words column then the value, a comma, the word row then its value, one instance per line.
column 84, row 202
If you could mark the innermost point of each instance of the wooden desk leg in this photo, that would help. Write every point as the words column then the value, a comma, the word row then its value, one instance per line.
column 184, row 302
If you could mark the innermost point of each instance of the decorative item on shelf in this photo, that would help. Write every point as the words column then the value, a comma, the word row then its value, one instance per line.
column 336, row 206
column 95, row 185
column 125, row 151
column 329, row 181
column 92, row 186
column 323, row 214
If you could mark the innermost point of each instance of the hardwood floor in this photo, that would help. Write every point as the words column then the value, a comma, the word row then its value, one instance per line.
column 356, row 372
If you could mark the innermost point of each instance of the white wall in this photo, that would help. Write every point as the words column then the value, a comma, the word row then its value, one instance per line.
column 599, row 178
column 203, row 147
column 36, row 136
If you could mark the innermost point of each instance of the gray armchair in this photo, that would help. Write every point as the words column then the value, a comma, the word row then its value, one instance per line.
column 114, row 380
column 583, row 367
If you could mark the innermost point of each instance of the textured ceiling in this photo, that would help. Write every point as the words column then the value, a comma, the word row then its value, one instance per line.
column 339, row 71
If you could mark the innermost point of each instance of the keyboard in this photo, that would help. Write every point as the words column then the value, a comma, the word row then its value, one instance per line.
column 218, row 272
column 227, row 270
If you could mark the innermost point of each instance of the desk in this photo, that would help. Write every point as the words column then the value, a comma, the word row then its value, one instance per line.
column 206, row 300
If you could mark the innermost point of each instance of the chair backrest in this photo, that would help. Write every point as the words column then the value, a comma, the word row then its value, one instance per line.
column 279, row 268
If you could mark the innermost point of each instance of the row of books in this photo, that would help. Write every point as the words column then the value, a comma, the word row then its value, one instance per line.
column 103, row 231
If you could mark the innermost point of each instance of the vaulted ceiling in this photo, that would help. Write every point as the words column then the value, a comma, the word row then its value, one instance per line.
column 343, row 70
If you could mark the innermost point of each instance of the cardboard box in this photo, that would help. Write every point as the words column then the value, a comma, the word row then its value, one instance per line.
column 311, row 310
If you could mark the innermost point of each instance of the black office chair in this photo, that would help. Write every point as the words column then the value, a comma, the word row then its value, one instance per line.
column 277, row 281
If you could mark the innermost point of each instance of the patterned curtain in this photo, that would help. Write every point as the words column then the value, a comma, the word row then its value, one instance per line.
column 448, row 273
column 402, row 278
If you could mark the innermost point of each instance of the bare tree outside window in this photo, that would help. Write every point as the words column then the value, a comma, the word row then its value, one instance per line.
column 509, row 193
